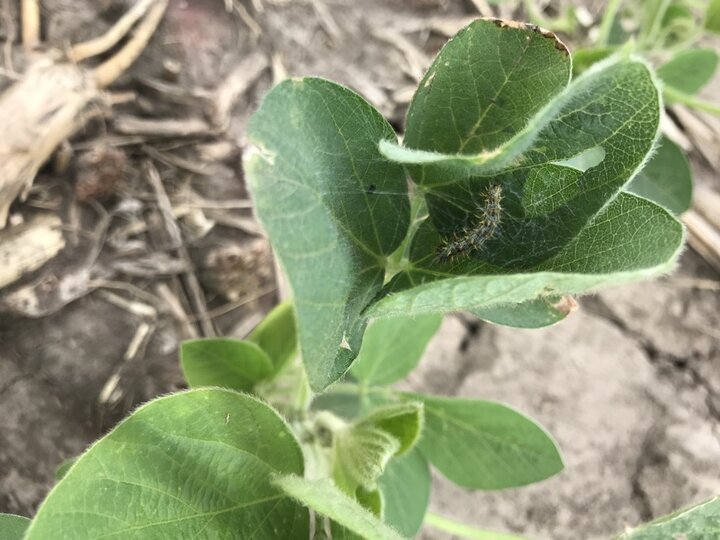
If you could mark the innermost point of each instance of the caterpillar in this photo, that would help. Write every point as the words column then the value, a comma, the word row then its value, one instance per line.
column 474, row 236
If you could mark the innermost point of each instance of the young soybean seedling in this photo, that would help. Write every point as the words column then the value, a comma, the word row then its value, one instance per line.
column 297, row 431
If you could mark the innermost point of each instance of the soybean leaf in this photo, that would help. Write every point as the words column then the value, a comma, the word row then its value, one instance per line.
column 363, row 449
column 583, row 59
column 404, row 421
column 688, row 71
column 482, row 91
column 462, row 530
column 63, row 468
column 536, row 313
column 392, row 348
column 679, row 27
column 371, row 500
column 360, row 456
column 700, row 522
column 288, row 391
column 565, row 226
column 666, row 179
column 333, row 207
column 277, row 335
column 405, row 486
column 712, row 16
column 228, row 363
column 326, row 499
column 190, row 465
column 13, row 527
column 346, row 405
column 486, row 445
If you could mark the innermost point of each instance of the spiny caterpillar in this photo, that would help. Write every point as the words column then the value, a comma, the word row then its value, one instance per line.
column 473, row 237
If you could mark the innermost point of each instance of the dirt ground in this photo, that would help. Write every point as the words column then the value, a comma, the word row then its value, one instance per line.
column 629, row 384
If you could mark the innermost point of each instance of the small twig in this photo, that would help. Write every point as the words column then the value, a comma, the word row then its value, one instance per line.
column 245, row 16
column 136, row 308
column 417, row 61
column 279, row 70
column 702, row 135
column 693, row 283
column 187, row 127
column 235, row 85
column 173, row 230
column 232, row 306
column 128, row 287
column 11, row 34
column 247, row 325
column 327, row 22
column 673, row 132
column 207, row 204
column 703, row 238
column 109, row 393
column 107, row 72
column 483, row 8
column 195, row 167
column 707, row 202
column 243, row 223
column 30, row 16
column 112, row 37
column 176, row 308
column 27, row 247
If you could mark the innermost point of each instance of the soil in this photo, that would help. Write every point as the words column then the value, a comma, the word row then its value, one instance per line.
column 629, row 384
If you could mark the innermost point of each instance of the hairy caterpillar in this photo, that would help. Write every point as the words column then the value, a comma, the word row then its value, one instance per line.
column 473, row 237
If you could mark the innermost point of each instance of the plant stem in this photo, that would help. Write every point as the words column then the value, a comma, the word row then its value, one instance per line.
column 454, row 527
column 607, row 22
column 650, row 38
column 691, row 101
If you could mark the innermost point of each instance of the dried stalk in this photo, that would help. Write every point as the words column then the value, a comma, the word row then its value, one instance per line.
column 54, row 99
column 30, row 14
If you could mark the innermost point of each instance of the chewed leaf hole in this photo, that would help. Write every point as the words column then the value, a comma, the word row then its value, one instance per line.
column 587, row 159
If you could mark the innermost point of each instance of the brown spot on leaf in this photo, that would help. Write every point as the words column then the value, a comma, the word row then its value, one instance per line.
column 517, row 25
column 566, row 305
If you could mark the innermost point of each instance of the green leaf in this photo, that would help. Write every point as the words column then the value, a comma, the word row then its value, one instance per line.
column 346, row 405
column 486, row 445
column 484, row 87
column 191, row 465
column 371, row 500
column 688, row 71
column 712, row 16
column 333, row 207
column 466, row 531
column 536, row 313
column 392, row 348
column 562, row 224
column 277, row 335
column 405, row 486
column 404, row 421
column 326, row 499
column 701, row 522
column 228, row 363
column 360, row 456
column 666, row 179
column 63, row 468
column 288, row 391
column 13, row 527
column 583, row 59
column 363, row 449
